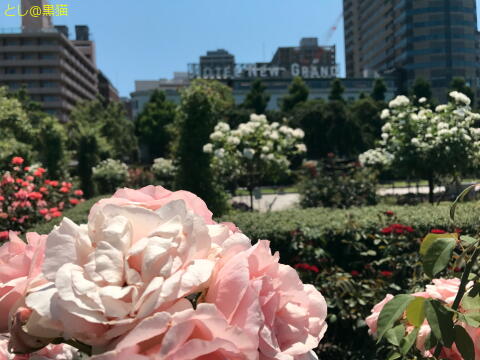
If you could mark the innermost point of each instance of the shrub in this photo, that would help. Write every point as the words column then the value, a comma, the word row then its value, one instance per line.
column 164, row 171
column 109, row 175
column 332, row 183
column 27, row 197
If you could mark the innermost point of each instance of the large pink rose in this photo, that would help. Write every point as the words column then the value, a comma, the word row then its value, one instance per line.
column 51, row 352
column 153, row 198
column 126, row 264
column 20, row 267
column 203, row 333
column 267, row 299
column 444, row 289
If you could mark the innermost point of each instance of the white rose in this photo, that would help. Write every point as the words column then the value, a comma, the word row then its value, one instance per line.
column 248, row 153
column 208, row 148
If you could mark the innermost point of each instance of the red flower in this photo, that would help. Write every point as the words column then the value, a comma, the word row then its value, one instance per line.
column 389, row 213
column 4, row 235
column 38, row 173
column 35, row 196
column 437, row 231
column 307, row 267
column 2, row 198
column 409, row 229
column 26, row 168
column 355, row 273
column 74, row 201
column 78, row 192
column 17, row 160
column 43, row 212
column 53, row 183
column 52, row 210
column 43, row 189
column 386, row 273
column 64, row 189
column 56, row 214
column 387, row 230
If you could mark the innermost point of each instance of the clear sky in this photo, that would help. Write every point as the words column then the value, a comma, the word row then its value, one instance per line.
column 150, row 39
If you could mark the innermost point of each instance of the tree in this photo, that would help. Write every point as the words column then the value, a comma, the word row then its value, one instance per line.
column 151, row 126
column 204, row 103
column 257, row 100
column 379, row 90
column 365, row 113
column 111, row 123
column 52, row 144
column 297, row 93
column 421, row 89
column 89, row 148
column 310, row 117
column 459, row 84
column 336, row 91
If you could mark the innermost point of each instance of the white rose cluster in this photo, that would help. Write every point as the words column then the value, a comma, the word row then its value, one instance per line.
column 255, row 144
column 427, row 137
column 163, row 168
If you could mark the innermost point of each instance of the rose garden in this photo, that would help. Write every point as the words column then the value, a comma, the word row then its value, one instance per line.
column 124, row 240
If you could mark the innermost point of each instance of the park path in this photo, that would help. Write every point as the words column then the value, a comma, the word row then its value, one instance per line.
column 291, row 200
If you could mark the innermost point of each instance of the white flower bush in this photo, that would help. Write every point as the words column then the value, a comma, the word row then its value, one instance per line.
column 110, row 174
column 427, row 143
column 164, row 171
column 253, row 151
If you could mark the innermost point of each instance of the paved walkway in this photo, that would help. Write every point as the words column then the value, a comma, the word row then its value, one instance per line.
column 291, row 200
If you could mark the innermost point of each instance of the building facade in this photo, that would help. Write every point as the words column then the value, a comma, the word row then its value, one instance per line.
column 431, row 39
column 53, row 71
column 56, row 71
column 315, row 64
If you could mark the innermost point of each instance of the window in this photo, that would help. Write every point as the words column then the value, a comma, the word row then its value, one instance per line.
column 48, row 70
column 10, row 70
column 29, row 56
column 29, row 70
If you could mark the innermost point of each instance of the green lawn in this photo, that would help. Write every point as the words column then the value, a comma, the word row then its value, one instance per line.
column 269, row 190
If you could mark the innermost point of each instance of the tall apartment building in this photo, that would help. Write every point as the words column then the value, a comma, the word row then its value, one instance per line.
column 56, row 71
column 432, row 39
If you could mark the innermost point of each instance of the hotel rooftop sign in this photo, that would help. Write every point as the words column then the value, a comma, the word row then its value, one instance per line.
column 268, row 71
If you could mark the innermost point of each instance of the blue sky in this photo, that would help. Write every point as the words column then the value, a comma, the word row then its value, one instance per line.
column 150, row 39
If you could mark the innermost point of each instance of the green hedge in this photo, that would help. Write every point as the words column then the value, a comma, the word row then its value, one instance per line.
column 323, row 225
column 78, row 214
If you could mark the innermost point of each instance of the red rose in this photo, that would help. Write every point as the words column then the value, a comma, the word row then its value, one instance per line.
column 355, row 273
column 437, row 231
column 3, row 235
column 17, row 160
column 53, row 183
column 387, row 230
column 56, row 214
column 74, row 201
column 78, row 192
column 43, row 212
column 64, row 189
column 389, row 213
column 386, row 273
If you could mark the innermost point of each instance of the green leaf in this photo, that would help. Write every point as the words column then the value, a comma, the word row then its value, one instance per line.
column 464, row 343
column 460, row 198
column 394, row 356
column 431, row 341
column 416, row 312
column 395, row 335
column 431, row 238
column 438, row 256
column 471, row 303
column 408, row 341
column 468, row 240
column 472, row 319
column 440, row 320
column 391, row 312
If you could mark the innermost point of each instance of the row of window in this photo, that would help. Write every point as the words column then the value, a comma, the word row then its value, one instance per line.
column 30, row 56
column 27, row 42
column 29, row 70
column 33, row 84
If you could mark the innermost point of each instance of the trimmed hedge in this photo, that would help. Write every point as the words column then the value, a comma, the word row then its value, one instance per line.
column 78, row 214
column 322, row 225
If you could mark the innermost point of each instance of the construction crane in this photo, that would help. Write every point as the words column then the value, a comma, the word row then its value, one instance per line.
column 332, row 29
